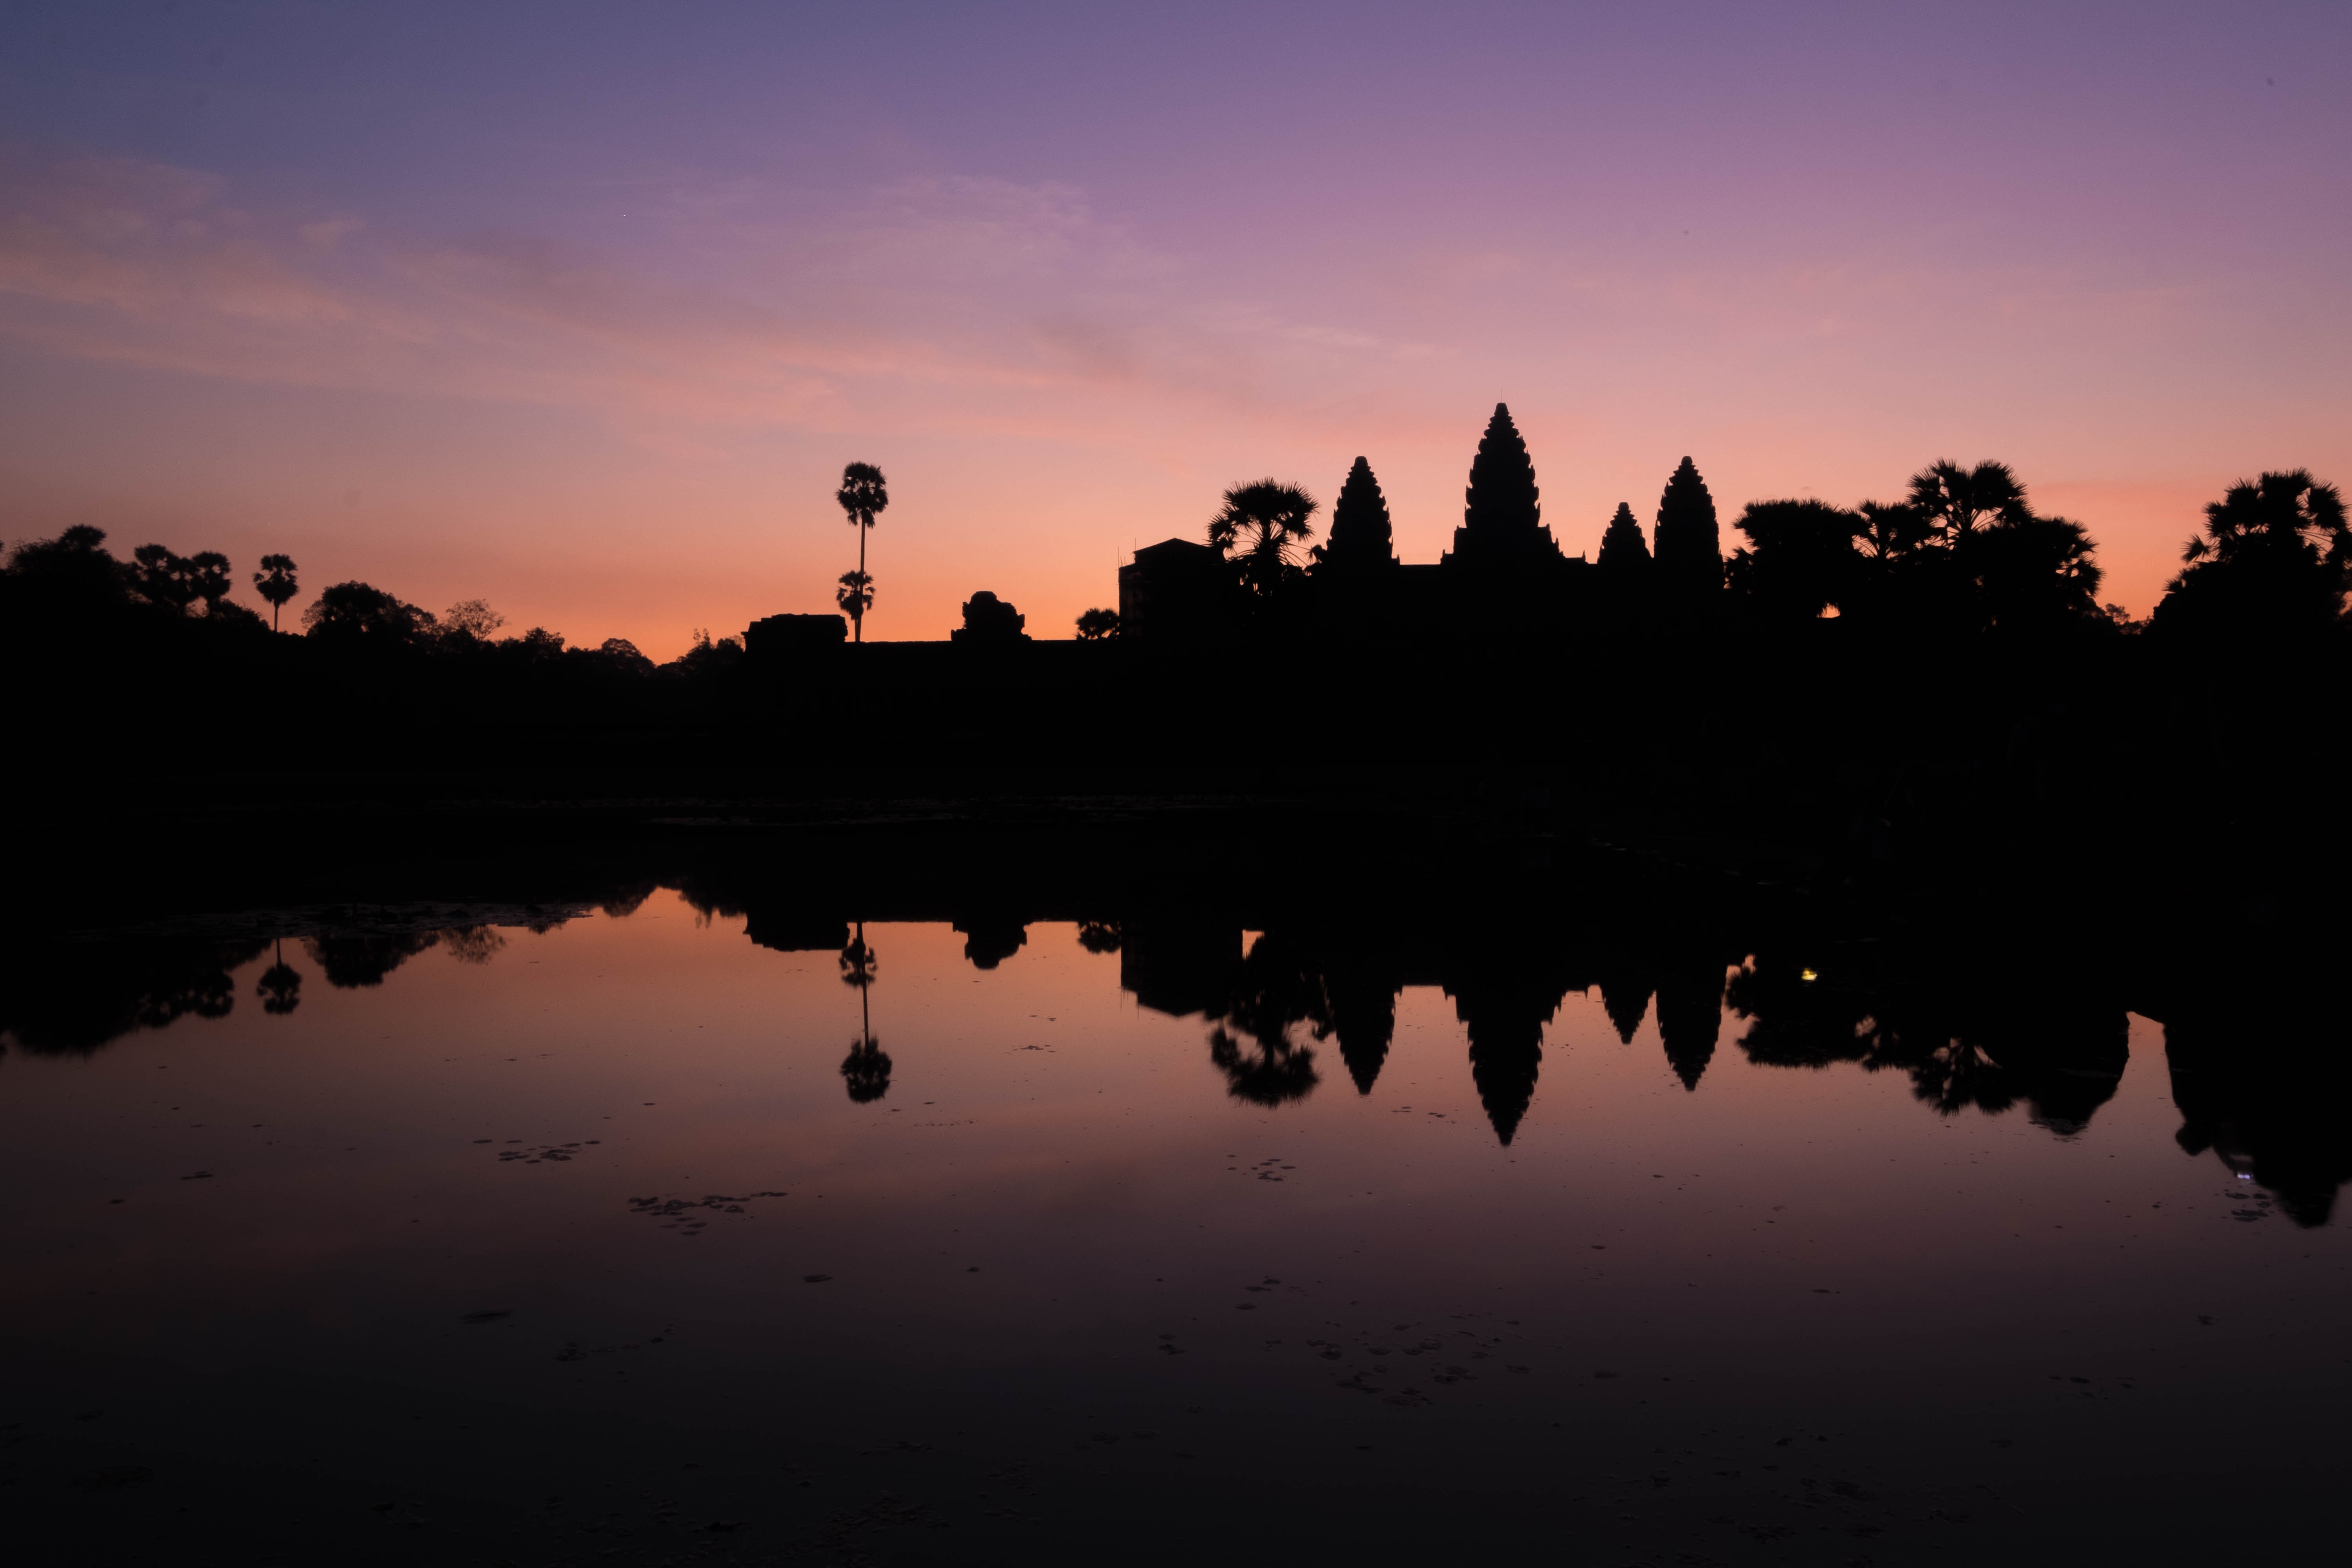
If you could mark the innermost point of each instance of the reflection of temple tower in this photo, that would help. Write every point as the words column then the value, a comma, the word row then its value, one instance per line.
column 1505, row 1012
column 1690, row 1017
column 1626, row 1000
column 1363, row 1016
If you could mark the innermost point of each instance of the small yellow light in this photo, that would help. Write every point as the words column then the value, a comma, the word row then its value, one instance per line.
column 1808, row 975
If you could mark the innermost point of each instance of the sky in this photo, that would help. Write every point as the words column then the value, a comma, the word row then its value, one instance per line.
column 581, row 308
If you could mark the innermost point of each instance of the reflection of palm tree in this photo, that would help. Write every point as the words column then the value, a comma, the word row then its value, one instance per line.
column 1262, row 1063
column 1263, row 1069
column 866, row 1070
column 281, row 988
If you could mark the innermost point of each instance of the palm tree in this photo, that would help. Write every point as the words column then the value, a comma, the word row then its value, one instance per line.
column 1956, row 501
column 862, row 496
column 2275, row 557
column 855, row 597
column 1266, row 521
column 275, row 582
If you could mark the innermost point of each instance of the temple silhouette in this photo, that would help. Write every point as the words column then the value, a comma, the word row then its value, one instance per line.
column 1504, row 571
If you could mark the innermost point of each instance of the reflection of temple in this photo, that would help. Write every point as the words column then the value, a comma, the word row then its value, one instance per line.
column 2264, row 1084
column 1342, row 982
column 2249, row 1039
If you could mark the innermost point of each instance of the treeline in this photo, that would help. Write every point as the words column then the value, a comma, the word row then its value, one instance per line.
column 150, row 661
column 1963, row 551
column 1916, row 692
column 74, row 583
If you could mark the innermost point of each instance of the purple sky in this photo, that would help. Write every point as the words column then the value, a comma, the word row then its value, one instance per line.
column 581, row 307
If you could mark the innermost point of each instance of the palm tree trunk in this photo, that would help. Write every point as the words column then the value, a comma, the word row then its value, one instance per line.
column 860, row 617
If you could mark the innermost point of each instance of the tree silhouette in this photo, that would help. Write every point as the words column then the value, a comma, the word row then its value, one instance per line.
column 177, row 582
column 855, row 597
column 862, row 496
column 866, row 1071
column 2031, row 571
column 471, row 619
column 280, row 986
column 1689, row 543
column 1800, row 558
column 1264, row 520
column 1956, row 501
column 367, row 613
column 1623, row 551
column 1361, row 539
column 275, row 582
column 2275, row 558
column 1098, row 626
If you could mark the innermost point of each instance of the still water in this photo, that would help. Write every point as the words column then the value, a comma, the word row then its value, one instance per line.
column 613, row 1240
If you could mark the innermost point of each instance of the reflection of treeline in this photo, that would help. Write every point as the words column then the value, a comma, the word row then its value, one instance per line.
column 2014, row 1008
column 71, row 997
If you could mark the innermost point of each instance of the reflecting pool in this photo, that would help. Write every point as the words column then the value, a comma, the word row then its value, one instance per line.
column 661, row 1230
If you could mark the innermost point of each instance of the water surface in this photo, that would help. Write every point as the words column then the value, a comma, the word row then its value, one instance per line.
column 615, row 1240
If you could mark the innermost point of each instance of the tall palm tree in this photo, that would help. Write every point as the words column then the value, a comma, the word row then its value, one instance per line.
column 862, row 495
column 275, row 582
column 1265, row 522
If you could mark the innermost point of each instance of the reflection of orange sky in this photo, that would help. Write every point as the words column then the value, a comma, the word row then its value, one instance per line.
column 594, row 444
